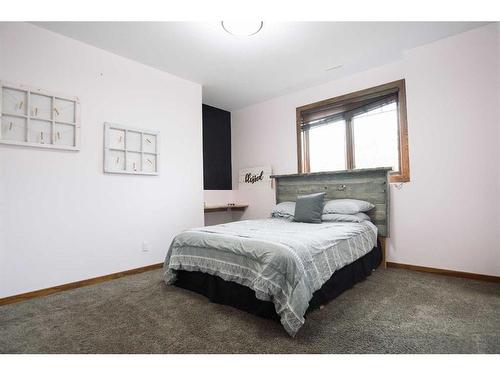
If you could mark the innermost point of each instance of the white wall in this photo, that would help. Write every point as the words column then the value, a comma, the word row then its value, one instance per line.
column 448, row 216
column 61, row 218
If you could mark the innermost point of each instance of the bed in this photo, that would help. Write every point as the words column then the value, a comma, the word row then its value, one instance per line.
column 279, row 268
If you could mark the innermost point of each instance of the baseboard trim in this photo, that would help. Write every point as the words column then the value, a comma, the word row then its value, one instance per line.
column 76, row 284
column 439, row 271
column 117, row 275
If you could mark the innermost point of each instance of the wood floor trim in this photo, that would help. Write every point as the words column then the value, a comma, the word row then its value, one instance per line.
column 76, row 284
column 117, row 275
column 439, row 271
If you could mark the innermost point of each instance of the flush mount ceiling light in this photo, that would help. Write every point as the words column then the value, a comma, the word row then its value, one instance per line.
column 242, row 28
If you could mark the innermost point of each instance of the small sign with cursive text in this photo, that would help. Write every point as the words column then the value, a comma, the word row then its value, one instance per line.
column 257, row 177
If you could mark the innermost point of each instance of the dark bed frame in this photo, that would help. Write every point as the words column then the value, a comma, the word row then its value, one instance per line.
column 366, row 184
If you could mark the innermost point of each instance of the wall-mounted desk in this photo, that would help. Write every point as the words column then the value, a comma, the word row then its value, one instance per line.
column 225, row 207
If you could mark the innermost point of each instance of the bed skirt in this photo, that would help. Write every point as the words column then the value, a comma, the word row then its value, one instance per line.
column 232, row 294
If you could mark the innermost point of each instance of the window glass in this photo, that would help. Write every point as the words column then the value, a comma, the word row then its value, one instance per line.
column 327, row 147
column 375, row 136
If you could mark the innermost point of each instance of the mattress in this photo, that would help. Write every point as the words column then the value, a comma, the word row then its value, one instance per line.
column 283, row 261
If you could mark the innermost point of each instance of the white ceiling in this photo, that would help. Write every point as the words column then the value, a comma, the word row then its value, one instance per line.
column 284, row 57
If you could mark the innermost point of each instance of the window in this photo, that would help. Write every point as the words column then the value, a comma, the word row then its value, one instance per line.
column 365, row 129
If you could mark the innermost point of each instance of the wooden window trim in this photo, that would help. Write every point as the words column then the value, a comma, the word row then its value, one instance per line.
column 404, row 161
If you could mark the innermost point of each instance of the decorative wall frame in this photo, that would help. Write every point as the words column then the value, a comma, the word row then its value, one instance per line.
column 256, row 177
column 130, row 150
column 38, row 118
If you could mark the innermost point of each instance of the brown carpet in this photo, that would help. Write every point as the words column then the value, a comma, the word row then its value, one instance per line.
column 393, row 311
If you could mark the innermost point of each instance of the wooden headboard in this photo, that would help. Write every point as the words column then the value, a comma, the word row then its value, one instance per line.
column 370, row 185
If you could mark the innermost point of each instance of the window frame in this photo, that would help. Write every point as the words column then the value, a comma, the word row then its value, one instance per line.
column 403, row 175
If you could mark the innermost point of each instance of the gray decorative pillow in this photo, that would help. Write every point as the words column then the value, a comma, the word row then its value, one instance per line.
column 356, row 218
column 346, row 206
column 283, row 209
column 308, row 208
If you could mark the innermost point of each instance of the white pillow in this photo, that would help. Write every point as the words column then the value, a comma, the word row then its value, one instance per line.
column 356, row 218
column 346, row 206
column 283, row 209
column 363, row 216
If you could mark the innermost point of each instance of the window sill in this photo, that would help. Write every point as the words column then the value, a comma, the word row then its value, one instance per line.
column 395, row 178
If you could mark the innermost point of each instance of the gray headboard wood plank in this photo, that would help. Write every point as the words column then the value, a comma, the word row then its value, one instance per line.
column 371, row 185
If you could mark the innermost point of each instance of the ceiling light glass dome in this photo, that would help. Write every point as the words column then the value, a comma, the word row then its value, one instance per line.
column 242, row 28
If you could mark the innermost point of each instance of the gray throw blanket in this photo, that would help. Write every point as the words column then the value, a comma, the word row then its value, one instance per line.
column 282, row 261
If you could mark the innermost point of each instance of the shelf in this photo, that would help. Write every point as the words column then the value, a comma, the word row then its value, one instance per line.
column 225, row 207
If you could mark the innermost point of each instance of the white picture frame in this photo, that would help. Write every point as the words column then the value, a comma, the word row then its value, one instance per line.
column 38, row 118
column 131, row 150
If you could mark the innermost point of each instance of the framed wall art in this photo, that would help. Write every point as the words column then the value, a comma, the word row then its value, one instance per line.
column 256, row 177
column 130, row 150
column 38, row 118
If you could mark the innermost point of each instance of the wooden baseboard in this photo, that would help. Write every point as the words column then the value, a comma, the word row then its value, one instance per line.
column 76, row 284
column 117, row 275
column 466, row 275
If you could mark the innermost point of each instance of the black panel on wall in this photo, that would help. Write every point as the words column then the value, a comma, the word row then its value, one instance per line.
column 216, row 149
